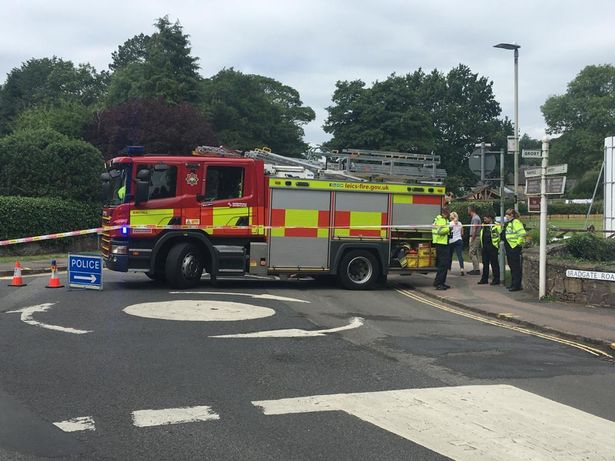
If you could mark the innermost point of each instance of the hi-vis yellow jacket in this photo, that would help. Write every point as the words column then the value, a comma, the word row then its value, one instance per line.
column 515, row 233
column 440, row 231
column 495, row 230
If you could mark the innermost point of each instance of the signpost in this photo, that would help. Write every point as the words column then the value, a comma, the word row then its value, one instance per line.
column 533, row 204
column 554, row 169
column 527, row 153
column 85, row 272
column 554, row 185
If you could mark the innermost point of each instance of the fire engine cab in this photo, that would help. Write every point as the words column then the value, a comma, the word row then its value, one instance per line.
column 175, row 217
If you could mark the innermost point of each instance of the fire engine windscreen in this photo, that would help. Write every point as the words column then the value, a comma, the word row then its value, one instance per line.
column 115, row 184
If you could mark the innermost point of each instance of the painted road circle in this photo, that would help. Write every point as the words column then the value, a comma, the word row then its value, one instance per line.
column 199, row 311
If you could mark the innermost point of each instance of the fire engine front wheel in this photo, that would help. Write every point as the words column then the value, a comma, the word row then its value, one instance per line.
column 359, row 270
column 184, row 265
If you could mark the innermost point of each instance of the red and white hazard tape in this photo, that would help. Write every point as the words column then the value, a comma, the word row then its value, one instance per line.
column 100, row 230
column 60, row 235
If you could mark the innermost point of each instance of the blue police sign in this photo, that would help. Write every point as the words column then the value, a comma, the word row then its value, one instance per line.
column 85, row 271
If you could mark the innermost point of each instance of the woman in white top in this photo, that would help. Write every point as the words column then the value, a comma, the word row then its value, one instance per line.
column 456, row 240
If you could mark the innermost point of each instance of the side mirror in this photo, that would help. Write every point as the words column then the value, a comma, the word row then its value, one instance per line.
column 105, row 177
column 106, row 190
column 142, row 191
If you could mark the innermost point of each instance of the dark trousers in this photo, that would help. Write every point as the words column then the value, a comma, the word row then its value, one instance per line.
column 490, row 257
column 443, row 261
column 514, row 262
column 456, row 248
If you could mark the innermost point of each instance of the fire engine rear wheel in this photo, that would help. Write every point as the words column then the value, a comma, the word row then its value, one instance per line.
column 184, row 265
column 359, row 270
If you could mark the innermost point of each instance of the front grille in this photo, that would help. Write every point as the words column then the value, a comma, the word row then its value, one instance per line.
column 105, row 240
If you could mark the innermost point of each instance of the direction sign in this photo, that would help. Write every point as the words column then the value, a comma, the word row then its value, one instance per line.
column 527, row 153
column 554, row 169
column 533, row 204
column 555, row 185
column 85, row 271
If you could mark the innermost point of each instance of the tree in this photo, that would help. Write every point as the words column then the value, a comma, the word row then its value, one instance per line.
column 155, row 66
column 160, row 127
column 45, row 163
column 583, row 116
column 48, row 82
column 249, row 111
column 67, row 117
column 446, row 114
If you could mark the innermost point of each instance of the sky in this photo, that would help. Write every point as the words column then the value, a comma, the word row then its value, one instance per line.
column 311, row 44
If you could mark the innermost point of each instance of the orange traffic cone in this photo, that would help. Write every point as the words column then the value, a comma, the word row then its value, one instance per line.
column 17, row 279
column 54, row 281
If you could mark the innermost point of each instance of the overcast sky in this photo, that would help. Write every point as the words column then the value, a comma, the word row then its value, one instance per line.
column 310, row 44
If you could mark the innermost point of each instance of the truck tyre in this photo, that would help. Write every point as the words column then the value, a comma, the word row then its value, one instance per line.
column 184, row 265
column 359, row 270
column 156, row 276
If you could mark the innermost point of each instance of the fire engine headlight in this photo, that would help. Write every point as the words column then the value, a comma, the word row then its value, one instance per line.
column 119, row 249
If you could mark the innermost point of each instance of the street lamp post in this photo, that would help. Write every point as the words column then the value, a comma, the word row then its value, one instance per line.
column 515, row 48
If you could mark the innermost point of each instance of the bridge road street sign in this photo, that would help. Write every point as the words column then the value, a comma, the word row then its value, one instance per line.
column 85, row 272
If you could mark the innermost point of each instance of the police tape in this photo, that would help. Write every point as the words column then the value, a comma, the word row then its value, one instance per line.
column 151, row 227
column 39, row 238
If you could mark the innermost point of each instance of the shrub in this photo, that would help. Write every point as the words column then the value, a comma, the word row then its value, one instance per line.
column 45, row 163
column 28, row 216
column 590, row 247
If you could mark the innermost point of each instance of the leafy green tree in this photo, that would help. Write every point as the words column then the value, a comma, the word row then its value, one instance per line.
column 249, row 111
column 48, row 82
column 67, row 117
column 45, row 163
column 155, row 66
column 446, row 114
column 583, row 116
column 160, row 127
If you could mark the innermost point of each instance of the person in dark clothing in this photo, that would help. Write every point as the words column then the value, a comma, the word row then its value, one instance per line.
column 490, row 241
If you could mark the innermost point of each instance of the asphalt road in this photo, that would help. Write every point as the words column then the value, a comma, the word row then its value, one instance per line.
column 141, row 367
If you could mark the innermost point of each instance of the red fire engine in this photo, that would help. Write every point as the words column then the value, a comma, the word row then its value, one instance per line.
column 175, row 217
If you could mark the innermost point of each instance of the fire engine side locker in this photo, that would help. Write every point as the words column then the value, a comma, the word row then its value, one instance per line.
column 299, row 233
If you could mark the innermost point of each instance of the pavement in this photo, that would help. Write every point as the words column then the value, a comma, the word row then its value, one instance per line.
column 589, row 324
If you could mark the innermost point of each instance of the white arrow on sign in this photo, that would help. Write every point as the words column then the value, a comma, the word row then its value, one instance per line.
column 26, row 317
column 91, row 278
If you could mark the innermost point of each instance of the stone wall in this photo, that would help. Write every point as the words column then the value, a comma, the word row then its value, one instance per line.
column 594, row 292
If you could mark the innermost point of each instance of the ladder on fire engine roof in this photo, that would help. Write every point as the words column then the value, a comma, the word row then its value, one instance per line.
column 388, row 164
column 317, row 169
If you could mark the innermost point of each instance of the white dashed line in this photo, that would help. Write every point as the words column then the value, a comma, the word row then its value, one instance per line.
column 149, row 418
column 83, row 423
column 356, row 322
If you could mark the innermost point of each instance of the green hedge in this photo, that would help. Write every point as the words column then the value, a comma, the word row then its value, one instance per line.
column 45, row 163
column 591, row 248
column 28, row 216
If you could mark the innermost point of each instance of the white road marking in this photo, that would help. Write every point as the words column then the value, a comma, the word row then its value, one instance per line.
column 355, row 322
column 496, row 422
column 148, row 418
column 26, row 317
column 199, row 311
column 253, row 296
column 83, row 423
